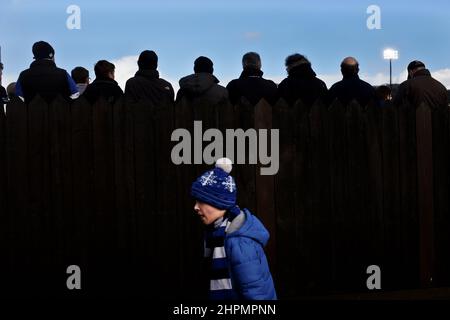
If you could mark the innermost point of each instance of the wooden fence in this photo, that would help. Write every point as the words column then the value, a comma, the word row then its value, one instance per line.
column 95, row 186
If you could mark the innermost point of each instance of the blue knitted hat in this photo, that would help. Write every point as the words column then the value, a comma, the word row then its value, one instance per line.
column 216, row 187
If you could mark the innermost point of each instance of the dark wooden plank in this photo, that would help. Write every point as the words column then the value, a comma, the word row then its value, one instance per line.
column 318, row 203
column 244, row 173
column 265, row 204
column 17, row 157
column 441, row 179
column 374, row 226
column 5, row 231
column 78, row 224
column 39, row 215
column 284, row 118
column 190, row 232
column 391, row 263
column 356, row 218
column 408, row 217
column 338, row 185
column 103, row 222
column 425, row 192
column 303, row 230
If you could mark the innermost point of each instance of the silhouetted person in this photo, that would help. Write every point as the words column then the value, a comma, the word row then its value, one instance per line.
column 383, row 94
column 146, row 84
column 351, row 87
column 301, row 82
column 104, row 84
column 11, row 90
column 81, row 77
column 421, row 87
column 251, row 84
column 3, row 94
column 44, row 78
column 202, row 84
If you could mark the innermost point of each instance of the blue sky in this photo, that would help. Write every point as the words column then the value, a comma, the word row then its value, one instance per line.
column 325, row 31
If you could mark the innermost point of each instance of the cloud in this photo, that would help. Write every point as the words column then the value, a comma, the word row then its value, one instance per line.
column 126, row 68
column 443, row 76
column 251, row 35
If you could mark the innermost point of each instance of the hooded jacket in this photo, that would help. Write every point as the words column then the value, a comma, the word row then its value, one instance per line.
column 244, row 246
column 147, row 85
column 253, row 87
column 422, row 88
column 202, row 85
column 302, row 84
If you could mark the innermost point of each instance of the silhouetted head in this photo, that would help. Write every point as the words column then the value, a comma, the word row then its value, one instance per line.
column 296, row 60
column 415, row 66
column 383, row 92
column 349, row 67
column 104, row 69
column 1, row 71
column 80, row 75
column 148, row 60
column 203, row 64
column 43, row 50
column 11, row 90
column 251, row 60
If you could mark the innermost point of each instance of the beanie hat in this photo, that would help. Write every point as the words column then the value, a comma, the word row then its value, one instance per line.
column 203, row 64
column 43, row 50
column 216, row 187
column 148, row 60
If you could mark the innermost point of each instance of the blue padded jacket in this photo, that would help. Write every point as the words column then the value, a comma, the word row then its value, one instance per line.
column 244, row 247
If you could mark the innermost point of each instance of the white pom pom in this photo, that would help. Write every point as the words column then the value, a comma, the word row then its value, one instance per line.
column 225, row 164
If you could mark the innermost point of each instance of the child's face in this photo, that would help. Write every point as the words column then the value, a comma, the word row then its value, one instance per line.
column 207, row 213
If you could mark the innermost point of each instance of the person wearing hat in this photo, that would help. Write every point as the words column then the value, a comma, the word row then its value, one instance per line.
column 146, row 84
column 301, row 83
column 421, row 87
column 202, row 84
column 234, row 239
column 251, row 85
column 44, row 78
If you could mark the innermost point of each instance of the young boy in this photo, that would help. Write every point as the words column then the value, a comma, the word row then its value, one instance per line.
column 234, row 239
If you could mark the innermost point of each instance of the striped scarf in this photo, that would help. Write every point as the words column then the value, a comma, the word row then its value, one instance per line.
column 220, row 287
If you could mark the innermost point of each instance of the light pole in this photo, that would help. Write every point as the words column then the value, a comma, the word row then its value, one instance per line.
column 390, row 54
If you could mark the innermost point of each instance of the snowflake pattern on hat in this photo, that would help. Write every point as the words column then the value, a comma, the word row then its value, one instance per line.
column 229, row 184
column 208, row 179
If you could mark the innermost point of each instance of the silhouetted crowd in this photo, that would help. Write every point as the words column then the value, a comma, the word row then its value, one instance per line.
column 45, row 79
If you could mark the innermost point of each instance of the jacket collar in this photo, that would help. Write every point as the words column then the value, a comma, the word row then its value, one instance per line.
column 43, row 62
column 422, row 73
column 251, row 72
column 149, row 74
column 353, row 76
column 104, row 80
